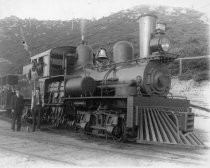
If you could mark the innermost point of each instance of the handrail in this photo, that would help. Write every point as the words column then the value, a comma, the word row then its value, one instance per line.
column 196, row 57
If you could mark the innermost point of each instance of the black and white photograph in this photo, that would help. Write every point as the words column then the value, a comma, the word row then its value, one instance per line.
column 104, row 83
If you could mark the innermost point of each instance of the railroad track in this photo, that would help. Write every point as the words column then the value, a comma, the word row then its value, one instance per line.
column 30, row 155
column 129, row 150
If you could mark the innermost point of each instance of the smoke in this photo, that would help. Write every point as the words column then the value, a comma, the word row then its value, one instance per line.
column 82, row 26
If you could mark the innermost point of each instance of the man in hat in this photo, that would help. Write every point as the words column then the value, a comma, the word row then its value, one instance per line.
column 36, row 107
column 17, row 104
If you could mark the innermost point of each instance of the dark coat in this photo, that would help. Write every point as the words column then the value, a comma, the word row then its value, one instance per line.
column 17, row 103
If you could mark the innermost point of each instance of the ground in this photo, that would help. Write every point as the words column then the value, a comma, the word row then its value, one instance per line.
column 199, row 94
column 56, row 148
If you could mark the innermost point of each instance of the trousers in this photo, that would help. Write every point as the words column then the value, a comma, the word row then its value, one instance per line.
column 36, row 111
column 16, row 116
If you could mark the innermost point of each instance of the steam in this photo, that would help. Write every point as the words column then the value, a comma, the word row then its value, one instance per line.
column 82, row 26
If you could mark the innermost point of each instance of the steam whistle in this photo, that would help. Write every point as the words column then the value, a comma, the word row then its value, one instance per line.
column 83, row 39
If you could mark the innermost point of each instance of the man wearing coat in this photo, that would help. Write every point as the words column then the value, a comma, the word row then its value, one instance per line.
column 36, row 107
column 17, row 104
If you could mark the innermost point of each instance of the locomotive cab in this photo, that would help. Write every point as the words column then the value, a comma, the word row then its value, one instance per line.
column 52, row 62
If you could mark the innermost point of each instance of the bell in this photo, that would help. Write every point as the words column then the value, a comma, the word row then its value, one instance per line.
column 101, row 54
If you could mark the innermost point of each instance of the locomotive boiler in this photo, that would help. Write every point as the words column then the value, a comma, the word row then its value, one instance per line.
column 125, row 98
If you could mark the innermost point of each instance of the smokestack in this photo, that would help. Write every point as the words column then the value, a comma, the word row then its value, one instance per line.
column 147, row 25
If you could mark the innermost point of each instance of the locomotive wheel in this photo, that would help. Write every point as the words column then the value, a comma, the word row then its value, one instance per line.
column 87, row 127
column 119, row 133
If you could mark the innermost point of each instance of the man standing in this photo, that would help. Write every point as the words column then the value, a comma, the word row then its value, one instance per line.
column 36, row 107
column 139, row 84
column 17, row 104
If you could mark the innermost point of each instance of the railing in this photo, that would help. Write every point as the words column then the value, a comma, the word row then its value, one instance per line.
column 188, row 58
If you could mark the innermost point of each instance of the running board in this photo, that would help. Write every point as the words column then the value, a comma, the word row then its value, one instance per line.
column 157, row 126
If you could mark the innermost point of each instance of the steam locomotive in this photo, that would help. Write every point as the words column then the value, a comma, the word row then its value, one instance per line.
column 125, row 98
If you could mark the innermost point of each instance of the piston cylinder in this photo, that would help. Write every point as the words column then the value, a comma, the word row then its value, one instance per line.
column 147, row 26
column 81, row 86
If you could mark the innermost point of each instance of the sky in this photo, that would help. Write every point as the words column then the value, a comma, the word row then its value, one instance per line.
column 69, row 9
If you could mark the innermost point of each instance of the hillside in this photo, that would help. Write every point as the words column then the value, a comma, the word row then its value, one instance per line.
column 188, row 30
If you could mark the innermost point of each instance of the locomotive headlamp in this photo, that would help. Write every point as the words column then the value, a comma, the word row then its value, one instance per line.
column 165, row 43
column 159, row 44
